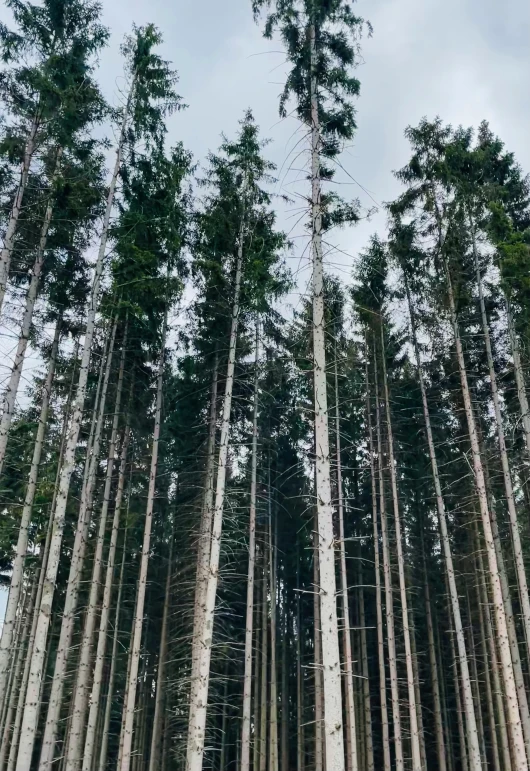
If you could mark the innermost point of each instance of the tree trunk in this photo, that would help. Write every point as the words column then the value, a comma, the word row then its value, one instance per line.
column 74, row 577
column 389, row 600
column 156, row 738
column 317, row 666
column 203, row 641
column 377, row 569
column 130, row 697
column 510, row 690
column 438, row 721
column 264, row 661
column 351, row 732
column 413, row 715
column 17, row 575
column 77, row 725
column 366, row 680
column 300, row 749
column 471, row 723
column 273, row 719
column 519, row 375
column 102, row 762
column 10, row 394
column 11, row 229
column 29, row 725
column 249, row 631
column 508, row 486
column 327, row 587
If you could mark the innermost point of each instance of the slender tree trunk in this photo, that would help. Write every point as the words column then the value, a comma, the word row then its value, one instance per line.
column 285, row 689
column 317, row 666
column 127, row 677
column 11, row 229
column 10, row 394
column 77, row 726
column 413, row 715
column 508, row 486
column 438, row 720
column 476, row 683
column 29, row 722
column 199, row 691
column 140, row 599
column 471, row 723
column 205, row 534
column 264, row 661
column 327, row 587
column 249, row 631
column 519, row 375
column 74, row 577
column 156, row 738
column 366, row 680
column 458, row 697
column 416, row 672
column 351, row 733
column 97, row 681
column 389, row 600
column 17, row 575
column 102, row 762
column 300, row 749
column 377, row 569
column 510, row 690
column 273, row 719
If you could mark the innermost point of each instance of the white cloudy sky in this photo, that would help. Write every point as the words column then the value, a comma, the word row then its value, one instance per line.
column 462, row 59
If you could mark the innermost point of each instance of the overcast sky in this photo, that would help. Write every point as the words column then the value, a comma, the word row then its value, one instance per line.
column 464, row 60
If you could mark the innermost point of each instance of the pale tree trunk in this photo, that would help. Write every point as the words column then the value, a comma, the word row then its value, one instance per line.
column 488, row 667
column 30, row 496
column 351, row 732
column 10, row 394
column 317, row 666
column 366, row 680
column 413, row 715
column 12, row 224
column 273, row 719
column 130, row 696
column 29, row 722
column 102, row 761
column 458, row 696
column 508, row 679
column 249, row 630
column 13, row 657
column 97, row 681
column 471, row 723
column 21, row 652
column 285, row 690
column 127, row 676
column 17, row 575
column 77, row 725
column 519, row 375
column 377, row 569
column 389, row 600
column 205, row 533
column 74, row 577
column 416, row 672
column 508, row 486
column 476, row 683
column 506, row 664
column 156, row 738
column 327, row 587
column 199, row 690
column 264, row 661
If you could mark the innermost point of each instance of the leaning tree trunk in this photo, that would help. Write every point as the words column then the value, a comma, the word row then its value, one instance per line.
column 105, row 612
column 377, row 569
column 389, row 600
column 11, row 229
column 508, row 679
column 327, row 588
column 249, row 630
column 17, row 575
column 203, row 642
column 508, row 486
column 471, row 723
column 413, row 714
column 31, row 298
column 77, row 724
column 74, row 578
column 29, row 722
column 351, row 732
column 130, row 695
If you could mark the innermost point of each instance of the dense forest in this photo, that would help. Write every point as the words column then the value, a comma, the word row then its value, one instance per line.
column 233, row 534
